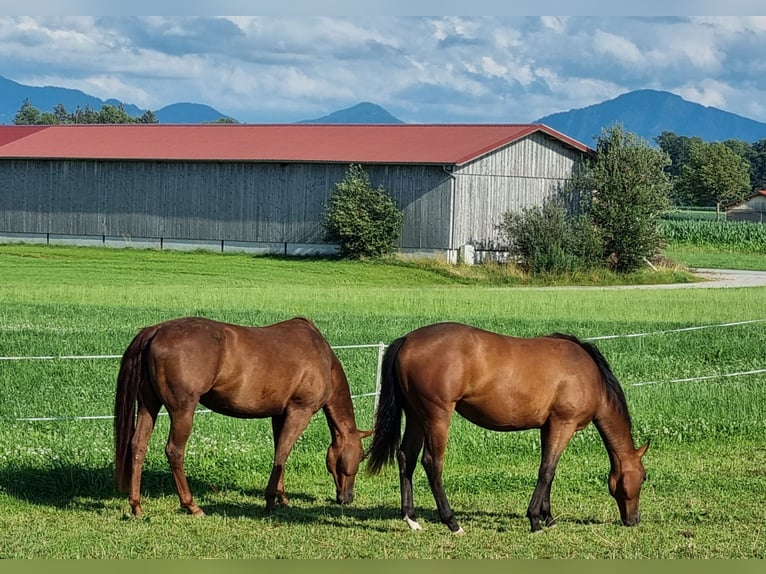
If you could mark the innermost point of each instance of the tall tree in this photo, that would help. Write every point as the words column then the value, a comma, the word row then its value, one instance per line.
column 714, row 175
column 27, row 114
column 678, row 149
column 148, row 117
column 62, row 116
column 630, row 192
column 758, row 165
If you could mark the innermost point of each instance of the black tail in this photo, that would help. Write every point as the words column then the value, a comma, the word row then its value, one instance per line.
column 386, row 435
column 607, row 376
column 129, row 380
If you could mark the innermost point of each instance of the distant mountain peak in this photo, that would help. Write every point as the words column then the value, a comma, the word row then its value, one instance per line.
column 361, row 113
column 648, row 113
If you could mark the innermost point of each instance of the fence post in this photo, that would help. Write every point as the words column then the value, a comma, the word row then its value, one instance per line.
column 378, row 374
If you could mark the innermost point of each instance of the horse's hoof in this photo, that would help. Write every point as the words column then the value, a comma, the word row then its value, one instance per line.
column 459, row 532
column 413, row 524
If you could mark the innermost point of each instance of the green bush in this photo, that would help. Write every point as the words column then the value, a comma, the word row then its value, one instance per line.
column 365, row 222
column 548, row 239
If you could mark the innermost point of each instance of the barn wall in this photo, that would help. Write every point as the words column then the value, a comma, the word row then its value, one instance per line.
column 243, row 202
column 754, row 209
column 523, row 174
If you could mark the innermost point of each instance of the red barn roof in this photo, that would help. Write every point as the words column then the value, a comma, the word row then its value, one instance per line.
column 454, row 144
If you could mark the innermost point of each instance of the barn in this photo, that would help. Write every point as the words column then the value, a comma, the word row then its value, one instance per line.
column 751, row 208
column 263, row 188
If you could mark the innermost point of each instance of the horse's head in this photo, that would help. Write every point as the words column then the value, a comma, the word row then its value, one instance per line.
column 343, row 458
column 625, row 481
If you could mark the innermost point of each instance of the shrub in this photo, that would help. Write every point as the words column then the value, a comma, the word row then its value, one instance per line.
column 365, row 222
column 548, row 239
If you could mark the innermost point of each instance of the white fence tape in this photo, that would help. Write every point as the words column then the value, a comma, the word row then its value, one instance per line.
column 381, row 349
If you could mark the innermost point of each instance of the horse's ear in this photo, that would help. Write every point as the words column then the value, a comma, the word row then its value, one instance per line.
column 641, row 451
column 364, row 433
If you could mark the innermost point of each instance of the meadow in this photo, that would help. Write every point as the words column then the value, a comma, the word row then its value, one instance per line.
column 698, row 394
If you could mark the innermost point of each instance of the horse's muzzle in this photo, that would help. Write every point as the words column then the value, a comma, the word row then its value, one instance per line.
column 632, row 520
column 345, row 498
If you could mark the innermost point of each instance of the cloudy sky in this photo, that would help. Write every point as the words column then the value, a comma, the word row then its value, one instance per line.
column 421, row 69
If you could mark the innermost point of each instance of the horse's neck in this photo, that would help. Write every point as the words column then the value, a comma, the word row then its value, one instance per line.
column 339, row 411
column 614, row 428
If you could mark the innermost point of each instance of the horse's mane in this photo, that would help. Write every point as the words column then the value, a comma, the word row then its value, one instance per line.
column 612, row 385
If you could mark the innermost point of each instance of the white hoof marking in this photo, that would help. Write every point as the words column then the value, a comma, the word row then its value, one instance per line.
column 459, row 531
column 413, row 524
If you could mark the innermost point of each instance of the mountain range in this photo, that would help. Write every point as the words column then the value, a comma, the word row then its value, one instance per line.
column 45, row 98
column 646, row 113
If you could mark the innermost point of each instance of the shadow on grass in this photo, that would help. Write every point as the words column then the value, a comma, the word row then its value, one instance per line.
column 93, row 490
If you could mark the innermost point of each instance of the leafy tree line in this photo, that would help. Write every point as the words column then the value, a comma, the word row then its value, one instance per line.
column 28, row 115
column 710, row 173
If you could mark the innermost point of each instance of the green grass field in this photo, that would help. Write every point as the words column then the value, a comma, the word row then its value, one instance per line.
column 703, row 497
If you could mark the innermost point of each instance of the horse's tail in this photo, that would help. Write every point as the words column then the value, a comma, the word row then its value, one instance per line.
column 613, row 388
column 129, row 380
column 386, row 434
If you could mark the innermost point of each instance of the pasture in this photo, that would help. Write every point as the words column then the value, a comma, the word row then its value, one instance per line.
column 699, row 394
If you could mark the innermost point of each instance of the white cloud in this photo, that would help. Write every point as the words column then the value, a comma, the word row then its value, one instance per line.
column 617, row 47
column 492, row 68
column 452, row 68
column 556, row 23
column 707, row 93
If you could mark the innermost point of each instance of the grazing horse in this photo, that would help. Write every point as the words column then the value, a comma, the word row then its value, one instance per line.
column 555, row 383
column 285, row 371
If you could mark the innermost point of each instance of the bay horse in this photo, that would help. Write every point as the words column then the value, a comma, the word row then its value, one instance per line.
column 555, row 383
column 286, row 371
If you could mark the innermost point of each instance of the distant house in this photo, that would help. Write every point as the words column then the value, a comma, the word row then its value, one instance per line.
column 751, row 208
column 263, row 188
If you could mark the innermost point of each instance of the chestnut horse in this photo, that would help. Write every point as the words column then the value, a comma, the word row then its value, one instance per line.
column 555, row 383
column 285, row 371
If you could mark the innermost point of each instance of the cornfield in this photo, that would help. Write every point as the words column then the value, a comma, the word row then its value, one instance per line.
column 739, row 235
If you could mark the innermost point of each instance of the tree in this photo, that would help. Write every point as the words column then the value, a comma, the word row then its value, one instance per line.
column 113, row 115
column 714, row 175
column 148, row 117
column 630, row 191
column 62, row 116
column 27, row 115
column 758, row 165
column 677, row 147
column 365, row 222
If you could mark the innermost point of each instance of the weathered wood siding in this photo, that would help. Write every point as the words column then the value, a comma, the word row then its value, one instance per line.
column 251, row 202
column 522, row 174
column 754, row 209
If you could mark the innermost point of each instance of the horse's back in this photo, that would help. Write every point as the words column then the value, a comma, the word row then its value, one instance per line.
column 497, row 381
column 241, row 370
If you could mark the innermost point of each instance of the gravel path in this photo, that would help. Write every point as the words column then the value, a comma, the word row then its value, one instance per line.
column 729, row 278
column 714, row 278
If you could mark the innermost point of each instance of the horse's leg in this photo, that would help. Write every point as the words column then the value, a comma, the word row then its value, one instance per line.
column 277, row 423
column 180, row 430
column 407, row 457
column 433, row 462
column 554, row 438
column 148, row 407
column 294, row 421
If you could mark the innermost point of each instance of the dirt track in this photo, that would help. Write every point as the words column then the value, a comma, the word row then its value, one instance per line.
column 729, row 278
column 713, row 278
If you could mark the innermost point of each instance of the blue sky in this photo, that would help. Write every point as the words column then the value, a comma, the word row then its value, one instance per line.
column 286, row 68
